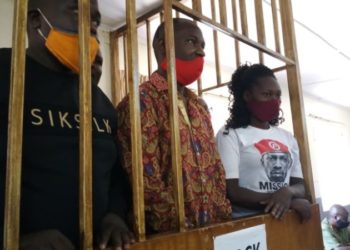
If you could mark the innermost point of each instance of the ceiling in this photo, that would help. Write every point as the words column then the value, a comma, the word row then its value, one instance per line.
column 323, row 44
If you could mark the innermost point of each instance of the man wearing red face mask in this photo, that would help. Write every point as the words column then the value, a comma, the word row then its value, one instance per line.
column 203, row 173
column 50, row 161
column 263, row 171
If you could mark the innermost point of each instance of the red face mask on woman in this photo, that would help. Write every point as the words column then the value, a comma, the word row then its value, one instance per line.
column 264, row 110
column 186, row 71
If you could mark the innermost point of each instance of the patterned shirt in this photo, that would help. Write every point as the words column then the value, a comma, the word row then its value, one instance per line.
column 333, row 238
column 203, row 173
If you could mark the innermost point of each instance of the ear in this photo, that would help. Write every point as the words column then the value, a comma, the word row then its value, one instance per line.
column 34, row 20
column 161, row 48
column 247, row 95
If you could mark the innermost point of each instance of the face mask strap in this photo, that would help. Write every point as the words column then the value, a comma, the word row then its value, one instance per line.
column 47, row 21
column 44, row 17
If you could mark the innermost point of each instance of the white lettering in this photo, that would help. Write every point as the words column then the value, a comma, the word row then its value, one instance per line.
column 34, row 113
column 63, row 119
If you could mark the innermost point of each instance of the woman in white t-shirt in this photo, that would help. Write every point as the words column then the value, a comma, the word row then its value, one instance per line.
column 263, row 171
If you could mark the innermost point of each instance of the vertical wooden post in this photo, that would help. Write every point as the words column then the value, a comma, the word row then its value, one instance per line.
column 296, row 94
column 149, row 48
column 174, row 116
column 275, row 25
column 216, row 45
column 244, row 20
column 235, row 28
column 197, row 5
column 85, row 109
column 260, row 26
column 223, row 13
column 136, row 138
column 126, row 67
column 15, row 128
column 117, row 88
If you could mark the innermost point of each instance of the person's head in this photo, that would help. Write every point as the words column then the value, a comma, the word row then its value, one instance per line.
column 189, row 49
column 53, row 25
column 275, row 158
column 338, row 217
column 255, row 96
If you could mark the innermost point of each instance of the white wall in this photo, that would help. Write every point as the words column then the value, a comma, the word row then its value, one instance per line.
column 6, row 14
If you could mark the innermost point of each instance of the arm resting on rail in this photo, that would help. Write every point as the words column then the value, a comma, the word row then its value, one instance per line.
column 276, row 203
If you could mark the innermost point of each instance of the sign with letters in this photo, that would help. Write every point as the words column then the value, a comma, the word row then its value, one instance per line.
column 252, row 238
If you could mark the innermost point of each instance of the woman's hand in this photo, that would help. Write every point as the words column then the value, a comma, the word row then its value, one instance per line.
column 279, row 202
column 303, row 208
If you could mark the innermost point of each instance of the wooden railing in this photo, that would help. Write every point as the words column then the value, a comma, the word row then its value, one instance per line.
column 286, row 234
column 288, row 59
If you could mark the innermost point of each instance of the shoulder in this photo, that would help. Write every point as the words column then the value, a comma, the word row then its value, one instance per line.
column 200, row 102
column 226, row 134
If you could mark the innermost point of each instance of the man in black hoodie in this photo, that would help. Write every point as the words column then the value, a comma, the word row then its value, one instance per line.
column 50, row 169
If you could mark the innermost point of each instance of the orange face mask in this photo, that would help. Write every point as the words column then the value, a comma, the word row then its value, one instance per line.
column 65, row 46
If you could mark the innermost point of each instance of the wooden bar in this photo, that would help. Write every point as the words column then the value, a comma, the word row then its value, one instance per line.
column 197, row 5
column 15, row 127
column 244, row 20
column 85, row 143
column 217, row 26
column 223, row 12
column 296, row 94
column 150, row 15
column 285, row 234
column 235, row 28
column 275, row 25
column 149, row 47
column 278, row 69
column 136, row 138
column 260, row 26
column 117, row 89
column 199, row 86
column 126, row 67
column 161, row 16
column 216, row 45
column 174, row 116
column 215, row 87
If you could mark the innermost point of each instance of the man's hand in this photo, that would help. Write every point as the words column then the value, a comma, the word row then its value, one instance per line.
column 44, row 240
column 115, row 233
column 279, row 202
column 303, row 208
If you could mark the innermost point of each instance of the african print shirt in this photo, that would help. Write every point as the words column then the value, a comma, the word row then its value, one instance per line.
column 203, row 173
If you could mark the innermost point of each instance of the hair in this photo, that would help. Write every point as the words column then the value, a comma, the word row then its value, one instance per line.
column 34, row 4
column 244, row 78
column 178, row 23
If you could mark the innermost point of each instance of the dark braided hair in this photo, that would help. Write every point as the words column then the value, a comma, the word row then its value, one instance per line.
column 244, row 78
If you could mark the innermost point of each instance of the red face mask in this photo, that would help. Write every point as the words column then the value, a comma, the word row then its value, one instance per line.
column 186, row 71
column 265, row 110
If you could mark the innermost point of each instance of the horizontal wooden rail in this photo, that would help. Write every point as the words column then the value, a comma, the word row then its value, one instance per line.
column 140, row 20
column 286, row 234
column 215, row 87
column 219, row 27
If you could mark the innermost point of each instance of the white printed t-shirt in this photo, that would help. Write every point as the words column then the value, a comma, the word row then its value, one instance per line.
column 262, row 159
